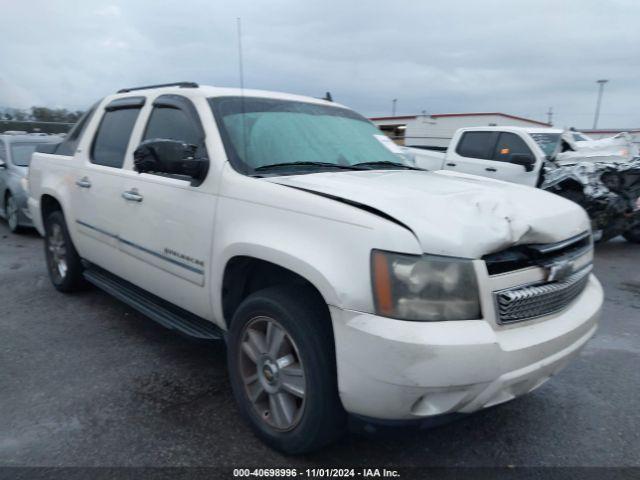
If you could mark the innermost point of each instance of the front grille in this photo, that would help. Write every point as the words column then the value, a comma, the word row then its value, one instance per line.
column 524, row 256
column 530, row 301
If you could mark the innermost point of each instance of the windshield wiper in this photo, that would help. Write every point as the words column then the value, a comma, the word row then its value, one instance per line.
column 309, row 164
column 386, row 163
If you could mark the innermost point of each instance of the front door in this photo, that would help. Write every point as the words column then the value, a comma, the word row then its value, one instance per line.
column 501, row 167
column 168, row 220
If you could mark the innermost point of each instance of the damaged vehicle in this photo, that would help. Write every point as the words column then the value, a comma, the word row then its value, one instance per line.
column 602, row 176
column 343, row 281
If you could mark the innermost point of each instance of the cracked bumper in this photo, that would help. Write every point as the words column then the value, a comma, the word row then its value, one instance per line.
column 398, row 370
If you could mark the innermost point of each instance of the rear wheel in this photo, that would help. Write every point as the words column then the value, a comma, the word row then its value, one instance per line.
column 282, row 368
column 63, row 262
column 12, row 211
column 633, row 234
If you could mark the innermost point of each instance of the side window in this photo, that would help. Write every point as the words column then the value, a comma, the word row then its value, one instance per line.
column 174, row 117
column 510, row 144
column 477, row 145
column 111, row 140
column 172, row 123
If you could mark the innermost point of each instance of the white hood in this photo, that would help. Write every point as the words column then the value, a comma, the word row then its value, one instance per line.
column 451, row 213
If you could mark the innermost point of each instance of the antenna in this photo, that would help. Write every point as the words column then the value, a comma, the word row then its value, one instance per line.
column 240, row 66
column 241, row 72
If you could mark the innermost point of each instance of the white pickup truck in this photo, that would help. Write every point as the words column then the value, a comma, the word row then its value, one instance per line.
column 341, row 280
column 601, row 176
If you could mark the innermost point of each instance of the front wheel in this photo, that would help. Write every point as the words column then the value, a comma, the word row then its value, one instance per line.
column 633, row 234
column 282, row 368
column 63, row 262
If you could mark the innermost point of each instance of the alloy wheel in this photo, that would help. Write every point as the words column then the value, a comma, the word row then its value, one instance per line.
column 272, row 373
column 12, row 213
column 57, row 252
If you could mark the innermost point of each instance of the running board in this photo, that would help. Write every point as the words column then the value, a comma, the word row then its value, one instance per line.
column 163, row 312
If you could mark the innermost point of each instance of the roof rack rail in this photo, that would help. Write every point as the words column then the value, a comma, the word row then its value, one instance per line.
column 174, row 84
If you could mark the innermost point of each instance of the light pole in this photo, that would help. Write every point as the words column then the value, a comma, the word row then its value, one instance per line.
column 393, row 107
column 600, row 89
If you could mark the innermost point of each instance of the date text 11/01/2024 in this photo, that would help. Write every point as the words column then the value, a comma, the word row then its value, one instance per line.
column 316, row 472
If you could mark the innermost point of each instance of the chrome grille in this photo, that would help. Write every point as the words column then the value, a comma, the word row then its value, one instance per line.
column 530, row 301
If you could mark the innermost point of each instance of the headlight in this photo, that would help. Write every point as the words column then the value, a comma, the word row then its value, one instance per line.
column 24, row 183
column 427, row 288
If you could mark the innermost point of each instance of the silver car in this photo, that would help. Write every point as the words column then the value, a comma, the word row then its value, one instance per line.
column 15, row 155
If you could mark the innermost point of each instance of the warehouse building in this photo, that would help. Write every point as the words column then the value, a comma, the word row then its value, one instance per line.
column 435, row 131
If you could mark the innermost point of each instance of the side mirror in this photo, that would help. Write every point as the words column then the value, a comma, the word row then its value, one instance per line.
column 524, row 159
column 170, row 157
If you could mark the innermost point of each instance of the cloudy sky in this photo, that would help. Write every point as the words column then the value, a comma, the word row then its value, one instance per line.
column 514, row 56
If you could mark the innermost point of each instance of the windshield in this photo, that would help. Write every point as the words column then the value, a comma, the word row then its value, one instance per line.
column 260, row 133
column 21, row 153
column 547, row 142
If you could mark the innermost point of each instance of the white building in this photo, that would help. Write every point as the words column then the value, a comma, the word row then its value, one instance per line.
column 435, row 131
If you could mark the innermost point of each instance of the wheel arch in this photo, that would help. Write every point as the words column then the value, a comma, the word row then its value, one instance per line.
column 245, row 273
column 48, row 205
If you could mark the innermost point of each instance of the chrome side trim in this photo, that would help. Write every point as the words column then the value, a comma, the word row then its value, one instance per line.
column 141, row 248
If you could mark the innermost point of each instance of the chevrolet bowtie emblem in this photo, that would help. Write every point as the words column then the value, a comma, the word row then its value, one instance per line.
column 559, row 271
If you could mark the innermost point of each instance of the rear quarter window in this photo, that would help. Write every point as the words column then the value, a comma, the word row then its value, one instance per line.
column 70, row 143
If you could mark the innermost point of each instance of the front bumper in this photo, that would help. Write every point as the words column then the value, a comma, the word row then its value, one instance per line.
column 24, row 215
column 397, row 370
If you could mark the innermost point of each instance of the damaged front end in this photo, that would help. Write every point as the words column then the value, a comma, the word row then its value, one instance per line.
column 608, row 189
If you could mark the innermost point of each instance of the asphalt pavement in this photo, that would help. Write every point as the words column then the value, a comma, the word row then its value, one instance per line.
column 87, row 381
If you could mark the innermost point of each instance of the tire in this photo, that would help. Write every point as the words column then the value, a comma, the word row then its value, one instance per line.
column 313, row 420
column 63, row 262
column 632, row 235
column 12, row 213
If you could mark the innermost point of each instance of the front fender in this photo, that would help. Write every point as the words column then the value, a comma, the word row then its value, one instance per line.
column 333, row 255
column 283, row 259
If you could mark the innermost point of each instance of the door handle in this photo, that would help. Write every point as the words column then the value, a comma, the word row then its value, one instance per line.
column 132, row 195
column 490, row 169
column 451, row 164
column 83, row 182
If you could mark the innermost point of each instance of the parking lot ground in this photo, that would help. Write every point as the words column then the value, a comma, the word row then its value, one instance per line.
column 87, row 381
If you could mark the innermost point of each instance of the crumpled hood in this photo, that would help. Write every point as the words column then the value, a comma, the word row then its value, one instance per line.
column 451, row 213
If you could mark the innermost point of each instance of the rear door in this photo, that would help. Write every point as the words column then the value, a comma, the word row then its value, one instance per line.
column 167, row 220
column 98, row 184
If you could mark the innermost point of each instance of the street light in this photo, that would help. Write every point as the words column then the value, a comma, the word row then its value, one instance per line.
column 600, row 89
column 393, row 107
